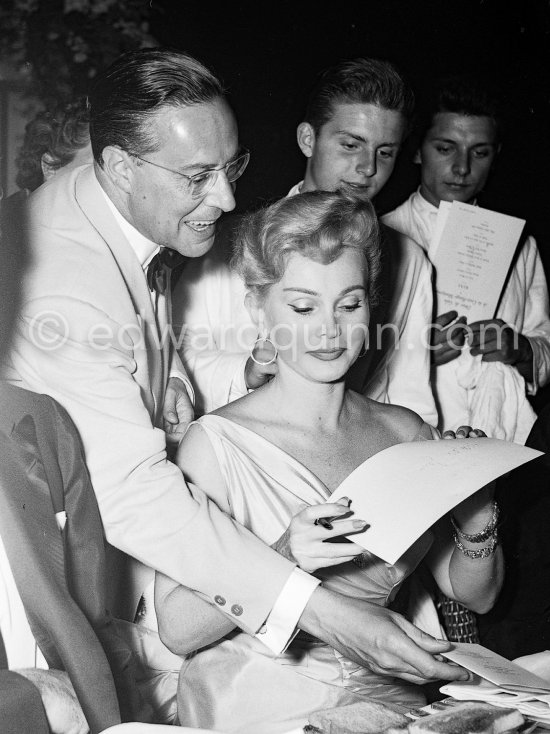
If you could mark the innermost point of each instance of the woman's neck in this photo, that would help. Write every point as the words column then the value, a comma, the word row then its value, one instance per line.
column 304, row 402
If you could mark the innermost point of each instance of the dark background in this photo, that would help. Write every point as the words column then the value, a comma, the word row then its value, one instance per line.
column 269, row 55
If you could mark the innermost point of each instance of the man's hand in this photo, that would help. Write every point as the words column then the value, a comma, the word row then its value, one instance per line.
column 178, row 411
column 255, row 374
column 374, row 636
column 60, row 702
column 447, row 337
column 498, row 342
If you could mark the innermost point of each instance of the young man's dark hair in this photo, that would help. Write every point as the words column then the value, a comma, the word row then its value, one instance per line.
column 359, row 81
column 469, row 95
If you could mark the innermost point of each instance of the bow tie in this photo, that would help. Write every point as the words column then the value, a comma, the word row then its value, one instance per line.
column 157, row 275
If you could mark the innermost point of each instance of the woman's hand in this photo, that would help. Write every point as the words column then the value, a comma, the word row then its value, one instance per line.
column 464, row 432
column 303, row 542
column 256, row 375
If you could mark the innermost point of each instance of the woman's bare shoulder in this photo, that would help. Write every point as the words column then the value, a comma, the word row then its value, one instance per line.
column 397, row 420
column 246, row 410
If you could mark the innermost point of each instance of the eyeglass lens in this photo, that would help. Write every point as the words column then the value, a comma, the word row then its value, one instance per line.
column 235, row 168
column 204, row 182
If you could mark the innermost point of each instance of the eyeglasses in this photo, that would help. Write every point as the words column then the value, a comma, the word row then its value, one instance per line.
column 200, row 183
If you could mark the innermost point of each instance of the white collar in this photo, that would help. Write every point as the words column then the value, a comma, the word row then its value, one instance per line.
column 144, row 248
column 297, row 189
column 422, row 205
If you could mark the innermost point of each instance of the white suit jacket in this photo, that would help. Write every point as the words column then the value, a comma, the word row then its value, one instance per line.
column 87, row 336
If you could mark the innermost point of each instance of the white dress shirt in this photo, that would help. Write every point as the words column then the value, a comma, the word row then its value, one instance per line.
column 145, row 251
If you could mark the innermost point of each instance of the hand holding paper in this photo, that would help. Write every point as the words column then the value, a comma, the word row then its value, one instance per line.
column 501, row 682
column 448, row 336
column 304, row 541
column 498, row 342
column 496, row 669
column 403, row 490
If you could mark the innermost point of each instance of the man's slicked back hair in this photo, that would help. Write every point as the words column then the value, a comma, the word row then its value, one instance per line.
column 468, row 95
column 359, row 81
column 139, row 83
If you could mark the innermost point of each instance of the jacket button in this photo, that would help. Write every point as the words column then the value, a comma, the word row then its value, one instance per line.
column 219, row 600
column 237, row 610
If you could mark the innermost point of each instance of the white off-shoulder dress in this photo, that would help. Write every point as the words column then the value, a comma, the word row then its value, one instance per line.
column 237, row 684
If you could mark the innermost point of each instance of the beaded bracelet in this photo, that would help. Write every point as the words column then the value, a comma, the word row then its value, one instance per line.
column 485, row 534
column 484, row 552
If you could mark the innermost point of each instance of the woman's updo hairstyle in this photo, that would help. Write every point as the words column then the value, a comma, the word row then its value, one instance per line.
column 318, row 225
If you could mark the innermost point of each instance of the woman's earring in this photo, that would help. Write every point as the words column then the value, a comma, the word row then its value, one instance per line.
column 264, row 339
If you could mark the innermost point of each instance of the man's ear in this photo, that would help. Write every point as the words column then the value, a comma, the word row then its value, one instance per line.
column 418, row 157
column 47, row 164
column 117, row 166
column 305, row 135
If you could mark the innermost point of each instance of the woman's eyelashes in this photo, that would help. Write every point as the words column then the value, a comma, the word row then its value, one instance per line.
column 346, row 306
column 352, row 306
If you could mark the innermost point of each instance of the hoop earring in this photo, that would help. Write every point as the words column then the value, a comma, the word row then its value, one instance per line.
column 263, row 339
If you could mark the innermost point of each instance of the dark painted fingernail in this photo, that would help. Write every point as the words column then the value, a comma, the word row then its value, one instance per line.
column 325, row 522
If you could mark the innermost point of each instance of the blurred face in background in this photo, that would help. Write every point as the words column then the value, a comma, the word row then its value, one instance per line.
column 82, row 156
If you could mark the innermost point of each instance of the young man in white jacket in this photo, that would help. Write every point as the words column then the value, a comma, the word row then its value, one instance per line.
column 486, row 382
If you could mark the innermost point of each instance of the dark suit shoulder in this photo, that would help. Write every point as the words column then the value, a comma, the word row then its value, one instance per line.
column 17, row 402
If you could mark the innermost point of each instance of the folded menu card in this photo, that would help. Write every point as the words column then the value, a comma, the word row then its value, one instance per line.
column 471, row 252
column 496, row 669
column 501, row 682
column 404, row 489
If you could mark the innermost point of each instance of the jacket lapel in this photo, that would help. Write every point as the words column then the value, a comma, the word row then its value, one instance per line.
column 91, row 201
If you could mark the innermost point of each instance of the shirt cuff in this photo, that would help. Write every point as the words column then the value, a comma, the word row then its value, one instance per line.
column 174, row 372
column 280, row 627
